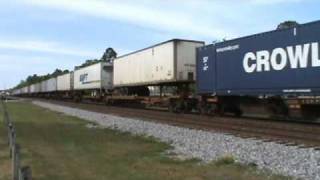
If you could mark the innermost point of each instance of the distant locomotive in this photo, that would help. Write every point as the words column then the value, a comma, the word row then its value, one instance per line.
column 270, row 74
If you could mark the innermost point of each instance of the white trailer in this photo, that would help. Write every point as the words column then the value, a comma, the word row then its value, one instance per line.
column 35, row 88
column 32, row 88
column 167, row 62
column 25, row 90
column 94, row 77
column 64, row 82
column 51, row 85
column 43, row 85
column 16, row 92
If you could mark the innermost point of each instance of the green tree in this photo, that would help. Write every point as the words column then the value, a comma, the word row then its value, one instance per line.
column 287, row 24
column 109, row 55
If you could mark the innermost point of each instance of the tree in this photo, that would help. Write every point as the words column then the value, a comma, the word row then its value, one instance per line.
column 287, row 24
column 109, row 55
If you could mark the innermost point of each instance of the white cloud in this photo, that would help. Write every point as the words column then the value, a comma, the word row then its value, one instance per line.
column 153, row 14
column 44, row 46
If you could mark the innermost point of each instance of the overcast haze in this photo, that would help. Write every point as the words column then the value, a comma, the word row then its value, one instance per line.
column 38, row 36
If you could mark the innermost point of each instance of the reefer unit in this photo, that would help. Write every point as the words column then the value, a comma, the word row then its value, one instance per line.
column 277, row 62
column 64, row 82
column 96, row 76
column 170, row 61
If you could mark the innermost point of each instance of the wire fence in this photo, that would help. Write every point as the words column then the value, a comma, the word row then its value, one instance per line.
column 19, row 172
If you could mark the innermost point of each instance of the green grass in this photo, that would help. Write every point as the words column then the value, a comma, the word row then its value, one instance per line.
column 59, row 147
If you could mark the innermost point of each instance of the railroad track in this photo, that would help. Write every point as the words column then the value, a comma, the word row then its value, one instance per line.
column 299, row 134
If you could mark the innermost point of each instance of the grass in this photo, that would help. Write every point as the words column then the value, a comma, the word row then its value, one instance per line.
column 60, row 147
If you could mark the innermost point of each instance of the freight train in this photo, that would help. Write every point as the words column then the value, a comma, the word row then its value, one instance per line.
column 273, row 74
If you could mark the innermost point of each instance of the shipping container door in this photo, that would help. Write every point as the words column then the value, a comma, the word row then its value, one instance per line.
column 206, row 69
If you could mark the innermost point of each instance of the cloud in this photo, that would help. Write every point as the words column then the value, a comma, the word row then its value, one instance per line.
column 155, row 14
column 44, row 46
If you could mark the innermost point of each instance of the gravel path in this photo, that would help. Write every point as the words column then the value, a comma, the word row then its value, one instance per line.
column 208, row 146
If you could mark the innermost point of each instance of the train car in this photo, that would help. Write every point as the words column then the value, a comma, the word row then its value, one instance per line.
column 278, row 70
column 167, row 65
column 51, row 85
column 37, row 88
column 25, row 91
column 32, row 89
column 94, row 81
column 167, row 62
column 43, row 85
column 48, row 88
column 65, row 85
column 16, row 92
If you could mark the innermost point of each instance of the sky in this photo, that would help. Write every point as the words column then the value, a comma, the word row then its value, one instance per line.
column 38, row 36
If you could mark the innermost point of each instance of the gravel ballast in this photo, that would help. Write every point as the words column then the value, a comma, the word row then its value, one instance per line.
column 208, row 146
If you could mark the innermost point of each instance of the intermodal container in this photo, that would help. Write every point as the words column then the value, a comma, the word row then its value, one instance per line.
column 37, row 87
column 166, row 62
column 64, row 82
column 51, row 85
column 96, row 76
column 277, row 62
column 43, row 85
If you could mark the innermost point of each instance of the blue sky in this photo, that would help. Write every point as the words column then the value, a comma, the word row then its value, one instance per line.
column 38, row 36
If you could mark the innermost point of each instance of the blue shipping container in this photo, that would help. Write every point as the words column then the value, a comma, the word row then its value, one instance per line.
column 277, row 62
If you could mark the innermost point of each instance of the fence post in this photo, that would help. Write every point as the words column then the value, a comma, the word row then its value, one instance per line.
column 9, row 135
column 16, row 162
column 12, row 139
column 26, row 173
